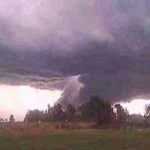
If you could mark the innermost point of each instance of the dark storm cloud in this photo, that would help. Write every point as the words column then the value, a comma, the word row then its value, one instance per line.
column 105, row 43
column 33, row 80
column 43, row 24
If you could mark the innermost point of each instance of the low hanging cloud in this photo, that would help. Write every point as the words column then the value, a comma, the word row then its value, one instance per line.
column 104, row 45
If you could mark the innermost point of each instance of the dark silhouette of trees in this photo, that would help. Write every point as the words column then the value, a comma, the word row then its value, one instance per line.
column 71, row 113
column 1, row 120
column 147, row 114
column 58, row 113
column 34, row 116
column 49, row 113
column 11, row 118
column 96, row 110
column 122, row 115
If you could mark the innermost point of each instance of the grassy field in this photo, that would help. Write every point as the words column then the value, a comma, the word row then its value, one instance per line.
column 88, row 139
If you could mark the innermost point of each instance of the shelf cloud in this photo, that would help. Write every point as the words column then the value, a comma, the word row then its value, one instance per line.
column 103, row 45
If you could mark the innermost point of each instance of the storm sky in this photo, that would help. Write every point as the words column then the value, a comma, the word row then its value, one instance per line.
column 102, row 47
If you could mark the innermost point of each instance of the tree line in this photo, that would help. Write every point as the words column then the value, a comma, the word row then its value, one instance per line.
column 96, row 110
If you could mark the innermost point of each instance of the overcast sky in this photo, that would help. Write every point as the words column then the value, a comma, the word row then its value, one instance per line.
column 104, row 44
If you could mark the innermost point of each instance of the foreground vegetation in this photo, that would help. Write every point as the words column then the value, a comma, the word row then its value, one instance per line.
column 91, row 126
column 47, row 137
column 86, row 140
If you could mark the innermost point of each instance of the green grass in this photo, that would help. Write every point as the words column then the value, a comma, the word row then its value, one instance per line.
column 80, row 140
